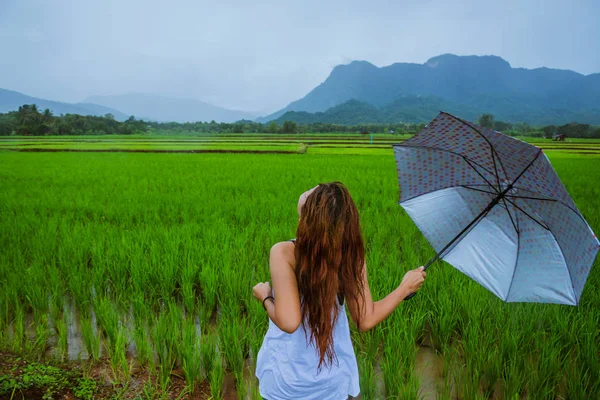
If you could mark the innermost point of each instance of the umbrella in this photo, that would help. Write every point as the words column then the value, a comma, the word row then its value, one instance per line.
column 494, row 208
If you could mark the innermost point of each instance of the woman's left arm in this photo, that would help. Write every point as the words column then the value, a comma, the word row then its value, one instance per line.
column 285, row 312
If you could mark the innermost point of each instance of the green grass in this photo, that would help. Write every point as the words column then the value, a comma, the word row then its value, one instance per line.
column 148, row 246
column 161, row 146
column 323, row 144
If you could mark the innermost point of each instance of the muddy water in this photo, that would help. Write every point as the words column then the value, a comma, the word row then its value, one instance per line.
column 75, row 346
column 428, row 365
column 229, row 389
column 428, row 368
column 229, row 385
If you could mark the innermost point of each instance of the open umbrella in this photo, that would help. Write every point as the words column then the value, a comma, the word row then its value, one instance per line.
column 494, row 208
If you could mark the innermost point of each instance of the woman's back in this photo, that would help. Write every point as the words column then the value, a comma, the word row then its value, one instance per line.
column 307, row 352
column 287, row 365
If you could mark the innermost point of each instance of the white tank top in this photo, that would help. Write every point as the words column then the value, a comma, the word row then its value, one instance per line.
column 287, row 365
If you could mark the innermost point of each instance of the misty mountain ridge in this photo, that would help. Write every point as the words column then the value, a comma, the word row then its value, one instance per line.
column 142, row 106
column 472, row 85
column 414, row 109
column 11, row 101
column 360, row 92
column 407, row 109
column 167, row 109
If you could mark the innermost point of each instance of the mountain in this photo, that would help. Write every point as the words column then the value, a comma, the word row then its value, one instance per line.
column 11, row 101
column 479, row 84
column 413, row 109
column 166, row 109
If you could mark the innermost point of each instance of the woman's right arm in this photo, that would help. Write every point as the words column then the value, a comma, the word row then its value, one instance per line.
column 372, row 313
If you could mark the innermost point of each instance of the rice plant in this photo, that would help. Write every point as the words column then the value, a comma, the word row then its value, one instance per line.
column 217, row 374
column 163, row 249
column 91, row 338
column 191, row 361
column 208, row 353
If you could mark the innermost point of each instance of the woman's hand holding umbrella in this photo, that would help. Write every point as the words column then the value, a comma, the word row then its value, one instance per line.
column 413, row 280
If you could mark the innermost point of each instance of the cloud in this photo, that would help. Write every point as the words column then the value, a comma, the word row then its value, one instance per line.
column 261, row 55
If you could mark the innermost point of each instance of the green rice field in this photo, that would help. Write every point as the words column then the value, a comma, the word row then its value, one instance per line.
column 130, row 261
column 250, row 143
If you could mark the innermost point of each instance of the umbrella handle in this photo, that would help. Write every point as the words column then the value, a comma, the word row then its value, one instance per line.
column 410, row 296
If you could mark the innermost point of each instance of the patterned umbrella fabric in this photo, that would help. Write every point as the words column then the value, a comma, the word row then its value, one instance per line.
column 494, row 208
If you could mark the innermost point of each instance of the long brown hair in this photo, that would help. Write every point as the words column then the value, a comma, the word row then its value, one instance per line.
column 330, row 255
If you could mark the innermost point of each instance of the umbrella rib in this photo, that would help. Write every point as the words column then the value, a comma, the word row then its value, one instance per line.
column 510, row 216
column 516, row 260
column 479, row 173
column 554, row 200
column 450, row 187
column 444, row 150
column 493, row 193
column 568, row 270
column 478, row 190
column 517, row 196
column 431, row 191
column 525, row 170
column 492, row 149
column 494, row 160
column 526, row 213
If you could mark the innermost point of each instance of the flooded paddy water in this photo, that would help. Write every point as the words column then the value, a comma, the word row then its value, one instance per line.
column 73, row 349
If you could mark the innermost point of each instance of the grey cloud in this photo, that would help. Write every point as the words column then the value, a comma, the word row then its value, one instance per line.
column 261, row 55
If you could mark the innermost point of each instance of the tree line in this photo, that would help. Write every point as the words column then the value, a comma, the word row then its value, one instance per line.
column 29, row 121
column 287, row 127
column 572, row 130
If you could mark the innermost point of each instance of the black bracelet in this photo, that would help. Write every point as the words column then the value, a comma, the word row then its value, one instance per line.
column 265, row 299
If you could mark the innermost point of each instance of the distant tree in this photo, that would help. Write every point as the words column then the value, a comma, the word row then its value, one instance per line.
column 8, row 124
column 47, row 123
column 486, row 120
column 574, row 130
column 522, row 128
column 502, row 126
column 132, row 126
column 272, row 127
column 109, row 116
column 30, row 121
column 237, row 128
column 289, row 127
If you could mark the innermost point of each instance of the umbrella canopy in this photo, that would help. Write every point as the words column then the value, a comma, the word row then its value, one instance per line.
column 494, row 208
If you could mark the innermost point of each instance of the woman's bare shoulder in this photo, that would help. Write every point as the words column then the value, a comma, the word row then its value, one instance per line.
column 284, row 251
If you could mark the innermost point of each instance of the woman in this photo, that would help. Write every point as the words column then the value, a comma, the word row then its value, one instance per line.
column 307, row 352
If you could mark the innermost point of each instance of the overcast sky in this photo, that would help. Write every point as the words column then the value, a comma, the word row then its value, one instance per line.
column 260, row 55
